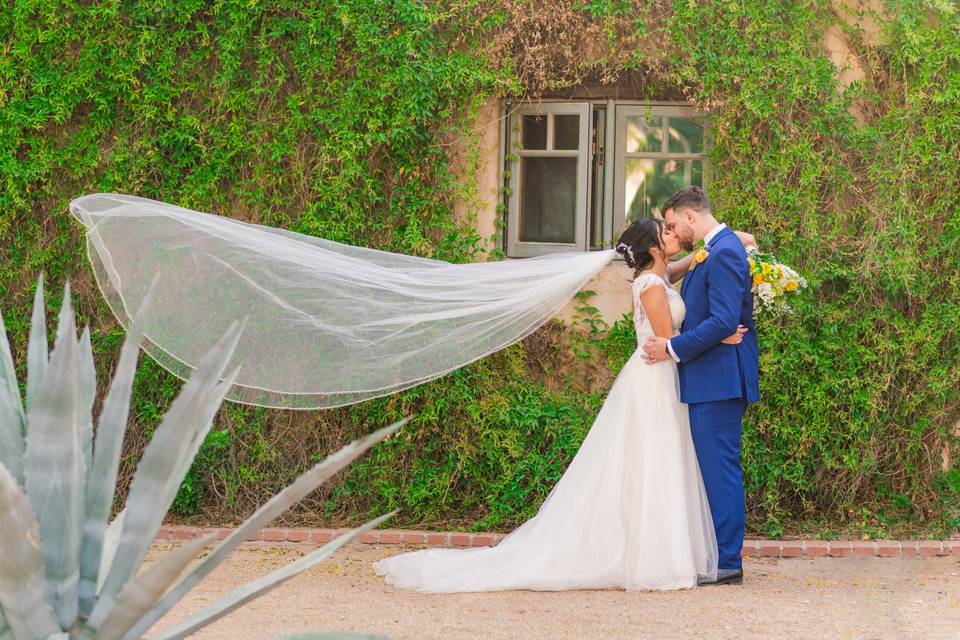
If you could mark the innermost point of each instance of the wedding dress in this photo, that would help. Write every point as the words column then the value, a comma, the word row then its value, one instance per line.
column 630, row 512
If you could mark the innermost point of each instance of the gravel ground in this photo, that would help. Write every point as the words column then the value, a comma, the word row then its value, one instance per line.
column 855, row 598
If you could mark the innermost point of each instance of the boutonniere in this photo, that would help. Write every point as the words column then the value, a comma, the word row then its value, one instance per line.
column 700, row 255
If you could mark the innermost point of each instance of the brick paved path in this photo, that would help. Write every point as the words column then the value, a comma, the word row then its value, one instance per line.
column 751, row 548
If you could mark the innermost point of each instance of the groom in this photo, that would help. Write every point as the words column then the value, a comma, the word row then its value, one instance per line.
column 717, row 380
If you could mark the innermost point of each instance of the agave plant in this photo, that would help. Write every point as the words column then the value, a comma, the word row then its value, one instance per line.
column 66, row 573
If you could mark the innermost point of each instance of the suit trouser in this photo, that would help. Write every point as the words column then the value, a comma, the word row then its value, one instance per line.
column 716, row 428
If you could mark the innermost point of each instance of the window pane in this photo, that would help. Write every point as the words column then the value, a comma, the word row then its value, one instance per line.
column 644, row 134
column 648, row 183
column 548, row 199
column 566, row 132
column 696, row 172
column 534, row 132
column 685, row 135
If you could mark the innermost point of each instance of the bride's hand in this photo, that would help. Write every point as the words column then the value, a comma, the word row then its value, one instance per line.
column 747, row 239
column 737, row 337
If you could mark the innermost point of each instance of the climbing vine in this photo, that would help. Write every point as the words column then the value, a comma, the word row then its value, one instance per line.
column 344, row 122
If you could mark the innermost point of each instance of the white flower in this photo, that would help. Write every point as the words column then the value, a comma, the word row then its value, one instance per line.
column 770, row 298
column 765, row 291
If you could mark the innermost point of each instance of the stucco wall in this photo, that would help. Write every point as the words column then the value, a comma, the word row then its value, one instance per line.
column 613, row 294
column 477, row 160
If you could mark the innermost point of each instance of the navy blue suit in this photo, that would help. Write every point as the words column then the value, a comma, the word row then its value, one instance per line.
column 718, row 381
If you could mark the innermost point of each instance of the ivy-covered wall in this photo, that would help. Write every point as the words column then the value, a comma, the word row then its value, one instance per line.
column 339, row 121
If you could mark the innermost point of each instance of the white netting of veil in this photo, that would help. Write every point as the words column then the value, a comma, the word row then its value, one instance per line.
column 328, row 324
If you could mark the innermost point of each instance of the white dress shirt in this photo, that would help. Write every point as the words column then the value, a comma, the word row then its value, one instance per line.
column 707, row 239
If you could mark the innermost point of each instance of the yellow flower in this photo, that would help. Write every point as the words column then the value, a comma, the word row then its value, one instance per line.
column 758, row 279
column 767, row 269
column 790, row 286
column 699, row 257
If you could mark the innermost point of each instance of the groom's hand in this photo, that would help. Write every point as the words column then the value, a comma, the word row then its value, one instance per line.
column 655, row 350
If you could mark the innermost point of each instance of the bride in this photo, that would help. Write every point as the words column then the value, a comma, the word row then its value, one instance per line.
column 631, row 511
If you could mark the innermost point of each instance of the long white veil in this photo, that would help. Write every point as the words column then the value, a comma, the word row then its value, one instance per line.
column 327, row 324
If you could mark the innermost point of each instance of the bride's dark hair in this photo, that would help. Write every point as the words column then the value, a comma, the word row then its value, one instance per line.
column 637, row 240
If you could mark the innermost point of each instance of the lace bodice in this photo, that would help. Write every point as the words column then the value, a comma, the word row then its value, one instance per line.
column 640, row 321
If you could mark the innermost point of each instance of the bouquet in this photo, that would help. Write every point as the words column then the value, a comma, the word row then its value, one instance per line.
column 774, row 284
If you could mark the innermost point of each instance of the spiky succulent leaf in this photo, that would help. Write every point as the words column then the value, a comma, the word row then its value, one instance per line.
column 102, row 479
column 37, row 344
column 61, row 392
column 158, row 474
column 12, row 421
column 266, row 514
column 23, row 585
column 111, row 540
column 256, row 588
column 88, row 394
column 54, row 472
column 12, row 425
column 142, row 592
column 11, row 434
column 212, row 405
column 8, row 372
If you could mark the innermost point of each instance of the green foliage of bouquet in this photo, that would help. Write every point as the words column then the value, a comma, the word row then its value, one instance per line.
column 774, row 284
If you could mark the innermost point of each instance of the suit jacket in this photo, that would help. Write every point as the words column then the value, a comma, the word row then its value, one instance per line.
column 718, row 297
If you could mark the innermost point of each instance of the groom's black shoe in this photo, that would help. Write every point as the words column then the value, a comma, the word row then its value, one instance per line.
column 724, row 576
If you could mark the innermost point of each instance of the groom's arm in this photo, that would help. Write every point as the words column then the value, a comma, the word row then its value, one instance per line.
column 725, row 296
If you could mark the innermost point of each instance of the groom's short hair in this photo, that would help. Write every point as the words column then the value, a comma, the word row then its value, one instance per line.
column 692, row 197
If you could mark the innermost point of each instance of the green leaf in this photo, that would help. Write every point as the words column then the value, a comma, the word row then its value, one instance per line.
column 102, row 479
column 23, row 588
column 164, row 463
column 37, row 345
column 111, row 540
column 12, row 424
column 54, row 472
column 88, row 395
column 256, row 588
column 300, row 488
column 138, row 595
column 8, row 372
column 11, row 435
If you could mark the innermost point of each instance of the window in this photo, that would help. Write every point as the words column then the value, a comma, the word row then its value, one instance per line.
column 579, row 172
column 659, row 151
column 548, row 179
